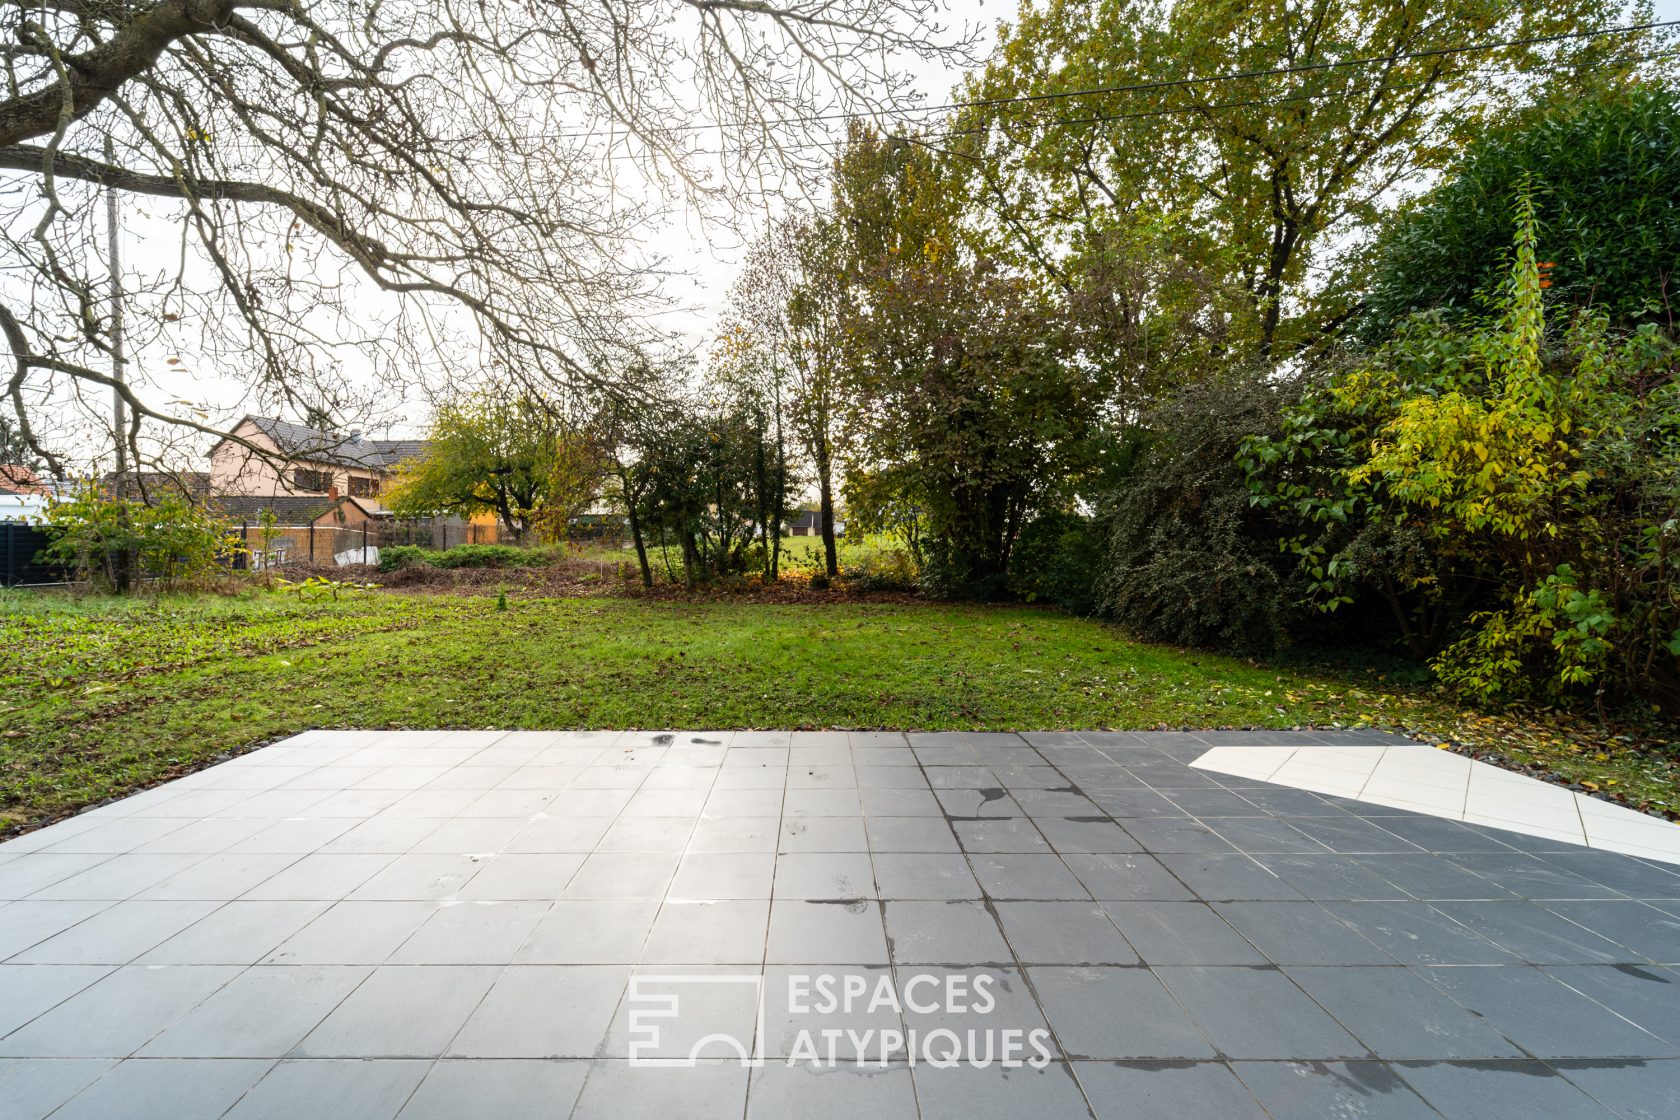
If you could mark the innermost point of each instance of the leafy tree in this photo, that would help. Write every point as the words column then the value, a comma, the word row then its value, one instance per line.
column 818, row 309
column 884, row 501
column 511, row 455
column 1604, row 165
column 961, row 402
column 971, row 409
column 789, row 312
column 629, row 434
column 703, row 488
column 1193, row 218
column 749, row 378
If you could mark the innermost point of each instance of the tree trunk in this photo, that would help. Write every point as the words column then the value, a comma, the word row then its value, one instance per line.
column 997, row 532
column 780, row 501
column 504, row 510
column 122, row 568
column 825, row 507
column 778, row 504
column 691, row 557
column 641, row 545
column 1414, row 643
column 761, row 496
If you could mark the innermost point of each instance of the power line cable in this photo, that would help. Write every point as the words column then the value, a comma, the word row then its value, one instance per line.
column 1138, row 87
column 622, row 135
column 1164, row 111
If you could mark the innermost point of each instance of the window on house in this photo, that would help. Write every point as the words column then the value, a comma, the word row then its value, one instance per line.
column 318, row 482
column 364, row 487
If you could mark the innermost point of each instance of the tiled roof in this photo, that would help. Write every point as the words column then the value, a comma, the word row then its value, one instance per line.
column 191, row 484
column 290, row 510
column 287, row 510
column 300, row 442
column 15, row 479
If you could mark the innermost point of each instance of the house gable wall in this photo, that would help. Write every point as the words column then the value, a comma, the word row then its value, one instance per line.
column 237, row 470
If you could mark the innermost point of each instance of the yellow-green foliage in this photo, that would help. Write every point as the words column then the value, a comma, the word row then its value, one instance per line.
column 1494, row 446
column 1534, row 466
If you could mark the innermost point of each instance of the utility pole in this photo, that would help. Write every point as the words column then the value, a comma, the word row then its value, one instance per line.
column 119, row 364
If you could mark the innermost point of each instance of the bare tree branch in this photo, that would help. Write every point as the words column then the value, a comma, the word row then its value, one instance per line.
column 361, row 194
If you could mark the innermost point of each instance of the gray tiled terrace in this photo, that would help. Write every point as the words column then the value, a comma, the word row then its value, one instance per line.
column 445, row 924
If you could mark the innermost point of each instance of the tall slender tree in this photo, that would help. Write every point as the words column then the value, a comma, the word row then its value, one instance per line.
column 783, row 342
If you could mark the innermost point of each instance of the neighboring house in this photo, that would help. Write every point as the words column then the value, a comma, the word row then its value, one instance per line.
column 310, row 529
column 22, row 494
column 298, row 461
column 808, row 523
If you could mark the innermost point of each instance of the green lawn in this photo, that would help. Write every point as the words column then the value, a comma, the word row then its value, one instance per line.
column 102, row 696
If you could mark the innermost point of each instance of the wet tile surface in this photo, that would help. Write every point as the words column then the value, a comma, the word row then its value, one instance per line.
column 487, row 924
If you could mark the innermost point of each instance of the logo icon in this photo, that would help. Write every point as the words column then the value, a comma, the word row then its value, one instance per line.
column 677, row 1020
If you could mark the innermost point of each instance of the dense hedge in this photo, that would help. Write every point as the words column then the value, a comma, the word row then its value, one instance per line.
column 1603, row 172
column 1530, row 463
column 1187, row 557
column 1055, row 561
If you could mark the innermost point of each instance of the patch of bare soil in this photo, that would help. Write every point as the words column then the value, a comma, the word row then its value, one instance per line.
column 578, row 578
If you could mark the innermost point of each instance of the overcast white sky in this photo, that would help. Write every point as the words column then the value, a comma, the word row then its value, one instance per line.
column 709, row 258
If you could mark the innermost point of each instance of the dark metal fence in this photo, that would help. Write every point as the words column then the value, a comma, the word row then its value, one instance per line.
column 18, row 545
column 436, row 532
column 322, row 545
column 275, row 546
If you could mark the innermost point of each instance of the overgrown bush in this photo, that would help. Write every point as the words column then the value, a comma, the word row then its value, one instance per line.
column 1605, row 166
column 1538, row 467
column 884, row 570
column 395, row 556
column 491, row 556
column 952, row 570
column 1055, row 560
column 1187, row 557
column 398, row 556
column 168, row 540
